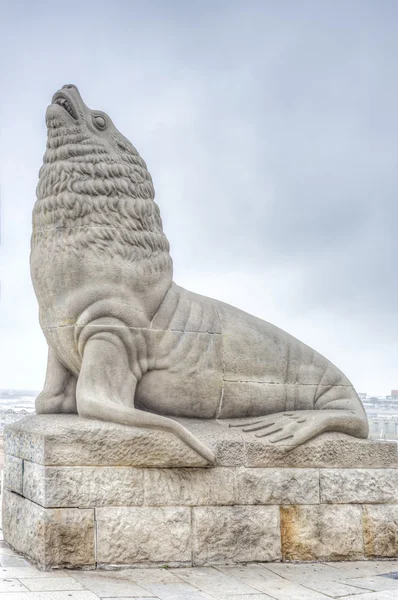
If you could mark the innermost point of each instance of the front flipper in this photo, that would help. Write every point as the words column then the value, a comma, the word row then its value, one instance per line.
column 106, row 388
column 295, row 428
column 59, row 392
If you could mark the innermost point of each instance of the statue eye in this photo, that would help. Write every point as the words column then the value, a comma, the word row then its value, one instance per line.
column 99, row 121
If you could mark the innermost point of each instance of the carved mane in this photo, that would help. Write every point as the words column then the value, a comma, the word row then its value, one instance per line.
column 88, row 198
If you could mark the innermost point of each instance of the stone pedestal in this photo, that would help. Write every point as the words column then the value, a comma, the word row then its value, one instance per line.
column 88, row 494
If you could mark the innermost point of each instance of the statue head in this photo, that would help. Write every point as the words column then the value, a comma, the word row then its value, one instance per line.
column 89, row 136
column 95, row 189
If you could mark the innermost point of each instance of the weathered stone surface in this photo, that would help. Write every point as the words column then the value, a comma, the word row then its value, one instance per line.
column 362, row 486
column 62, row 537
column 129, row 536
column 227, row 443
column 235, row 534
column 225, row 519
column 71, row 440
column 327, row 450
column 83, row 487
column 321, row 532
column 380, row 531
column 13, row 468
column 333, row 450
column 189, row 487
column 277, row 486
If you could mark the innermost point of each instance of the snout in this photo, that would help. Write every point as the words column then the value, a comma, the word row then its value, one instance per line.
column 70, row 86
column 67, row 105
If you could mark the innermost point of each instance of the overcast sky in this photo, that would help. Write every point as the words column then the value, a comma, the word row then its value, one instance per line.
column 271, row 132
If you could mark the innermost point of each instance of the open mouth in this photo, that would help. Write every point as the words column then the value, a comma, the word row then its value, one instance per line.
column 66, row 104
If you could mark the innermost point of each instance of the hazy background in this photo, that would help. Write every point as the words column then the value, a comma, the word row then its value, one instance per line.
column 270, row 129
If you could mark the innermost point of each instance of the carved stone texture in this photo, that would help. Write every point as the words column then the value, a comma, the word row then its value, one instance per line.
column 235, row 534
column 68, row 440
column 59, row 537
column 362, row 486
column 128, row 345
column 322, row 532
column 277, row 486
column 13, row 474
column 189, row 487
column 380, row 530
column 334, row 450
column 71, row 441
column 83, row 486
column 129, row 536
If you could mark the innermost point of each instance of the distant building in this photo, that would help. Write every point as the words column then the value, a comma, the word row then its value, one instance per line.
column 393, row 399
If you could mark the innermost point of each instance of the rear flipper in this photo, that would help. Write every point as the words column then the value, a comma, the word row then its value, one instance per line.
column 59, row 392
column 106, row 388
column 295, row 428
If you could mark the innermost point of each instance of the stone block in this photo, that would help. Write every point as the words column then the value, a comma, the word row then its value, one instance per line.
column 130, row 536
column 83, row 487
column 322, row 532
column 380, row 531
column 13, row 470
column 60, row 537
column 189, row 487
column 359, row 486
column 277, row 486
column 70, row 440
column 329, row 450
column 235, row 534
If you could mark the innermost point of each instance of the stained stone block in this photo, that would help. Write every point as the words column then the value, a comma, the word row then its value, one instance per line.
column 277, row 486
column 13, row 468
column 130, row 536
column 60, row 537
column 83, row 487
column 322, row 532
column 189, row 487
column 380, row 530
column 234, row 534
column 351, row 486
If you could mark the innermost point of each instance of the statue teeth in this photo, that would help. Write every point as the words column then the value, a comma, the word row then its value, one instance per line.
column 66, row 105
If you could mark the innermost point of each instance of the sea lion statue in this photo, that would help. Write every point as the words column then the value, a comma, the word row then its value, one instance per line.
column 128, row 345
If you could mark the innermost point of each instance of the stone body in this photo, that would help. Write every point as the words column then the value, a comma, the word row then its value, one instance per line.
column 128, row 345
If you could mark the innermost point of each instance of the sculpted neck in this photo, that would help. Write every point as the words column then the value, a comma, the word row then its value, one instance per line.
column 87, row 242
column 95, row 219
